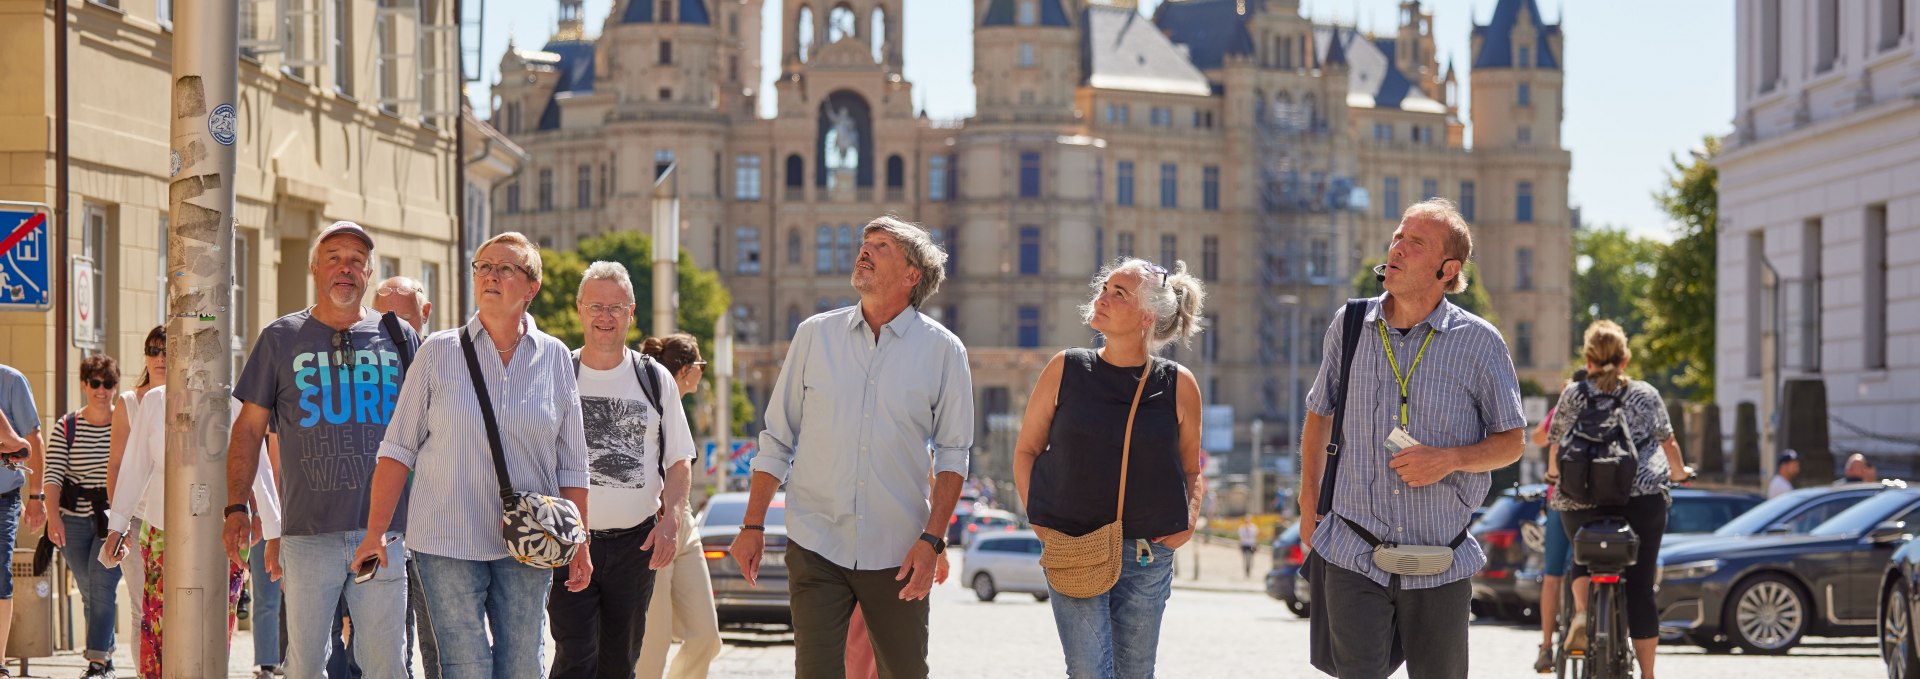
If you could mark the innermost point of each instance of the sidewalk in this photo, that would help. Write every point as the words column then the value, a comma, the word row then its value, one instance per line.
column 1218, row 565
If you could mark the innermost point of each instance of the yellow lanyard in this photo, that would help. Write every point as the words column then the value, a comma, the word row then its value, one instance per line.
column 1402, row 381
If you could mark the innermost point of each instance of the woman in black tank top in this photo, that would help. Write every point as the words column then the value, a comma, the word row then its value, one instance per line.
column 1067, row 463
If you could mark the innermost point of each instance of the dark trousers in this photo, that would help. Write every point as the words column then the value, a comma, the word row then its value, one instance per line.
column 1647, row 514
column 823, row 593
column 1364, row 617
column 597, row 630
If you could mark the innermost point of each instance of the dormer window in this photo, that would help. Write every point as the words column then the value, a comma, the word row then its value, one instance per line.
column 1525, row 57
column 666, row 11
column 1029, row 13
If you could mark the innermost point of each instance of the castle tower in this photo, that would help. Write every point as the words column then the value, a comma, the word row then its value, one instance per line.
column 1027, row 59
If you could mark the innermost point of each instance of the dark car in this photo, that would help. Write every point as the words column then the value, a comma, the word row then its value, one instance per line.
column 1288, row 556
column 1795, row 512
column 1764, row 593
column 1898, row 589
column 734, row 601
column 1501, row 534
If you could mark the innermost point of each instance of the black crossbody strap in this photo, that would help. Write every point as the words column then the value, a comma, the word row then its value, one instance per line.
column 1351, row 328
column 1375, row 541
column 486, row 413
column 391, row 324
column 650, row 383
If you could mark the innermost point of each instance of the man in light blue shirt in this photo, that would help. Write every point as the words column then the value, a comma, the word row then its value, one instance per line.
column 19, row 438
column 872, row 401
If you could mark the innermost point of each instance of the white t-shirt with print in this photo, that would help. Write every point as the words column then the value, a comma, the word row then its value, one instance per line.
column 623, row 443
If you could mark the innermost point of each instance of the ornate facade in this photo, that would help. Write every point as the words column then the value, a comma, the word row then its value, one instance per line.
column 1270, row 153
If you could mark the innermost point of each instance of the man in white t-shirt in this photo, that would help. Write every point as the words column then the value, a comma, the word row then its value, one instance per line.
column 1785, row 468
column 639, row 453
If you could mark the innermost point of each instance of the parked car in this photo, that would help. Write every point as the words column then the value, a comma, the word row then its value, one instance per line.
column 1499, row 532
column 1288, row 557
column 997, row 562
column 957, row 525
column 736, row 602
column 1795, row 512
column 1897, row 592
column 990, row 520
column 1764, row 593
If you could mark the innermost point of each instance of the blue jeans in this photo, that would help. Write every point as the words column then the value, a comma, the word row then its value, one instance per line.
column 1117, row 634
column 96, row 582
column 1559, row 549
column 266, row 609
column 9, row 526
column 317, row 575
column 467, row 600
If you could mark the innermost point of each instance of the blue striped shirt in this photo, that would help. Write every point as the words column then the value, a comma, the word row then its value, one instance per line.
column 1464, row 391
column 855, row 427
column 438, row 432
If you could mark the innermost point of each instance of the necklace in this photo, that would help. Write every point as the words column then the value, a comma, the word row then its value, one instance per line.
column 510, row 347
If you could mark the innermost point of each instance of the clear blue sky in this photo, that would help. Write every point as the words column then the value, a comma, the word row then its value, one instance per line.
column 1645, row 78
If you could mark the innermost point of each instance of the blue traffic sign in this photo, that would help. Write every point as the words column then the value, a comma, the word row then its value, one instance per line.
column 25, row 255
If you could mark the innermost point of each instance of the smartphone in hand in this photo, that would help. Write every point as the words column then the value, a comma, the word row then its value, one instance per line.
column 366, row 570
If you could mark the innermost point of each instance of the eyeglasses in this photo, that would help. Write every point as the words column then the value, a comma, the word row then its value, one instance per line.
column 395, row 291
column 505, row 270
column 156, row 350
column 595, row 310
column 101, row 384
column 699, row 364
column 1155, row 268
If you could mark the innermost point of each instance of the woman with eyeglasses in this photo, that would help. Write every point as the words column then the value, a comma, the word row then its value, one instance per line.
column 153, row 374
column 486, row 607
column 682, row 604
column 1071, row 460
column 76, row 493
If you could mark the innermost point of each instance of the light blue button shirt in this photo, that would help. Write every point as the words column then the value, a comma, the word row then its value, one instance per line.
column 855, row 426
column 1464, row 391
column 437, row 431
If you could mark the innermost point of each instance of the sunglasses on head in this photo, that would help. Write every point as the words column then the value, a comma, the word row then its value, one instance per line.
column 101, row 384
column 1155, row 268
column 156, row 350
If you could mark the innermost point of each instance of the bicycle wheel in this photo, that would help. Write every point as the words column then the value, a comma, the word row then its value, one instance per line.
column 1603, row 652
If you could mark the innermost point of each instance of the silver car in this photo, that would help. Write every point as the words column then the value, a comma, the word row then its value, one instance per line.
column 1009, row 561
column 736, row 602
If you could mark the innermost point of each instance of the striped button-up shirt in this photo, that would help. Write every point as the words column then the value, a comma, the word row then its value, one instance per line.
column 438, row 432
column 855, row 425
column 1464, row 391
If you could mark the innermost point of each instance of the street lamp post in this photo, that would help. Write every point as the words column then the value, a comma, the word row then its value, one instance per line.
column 1293, row 366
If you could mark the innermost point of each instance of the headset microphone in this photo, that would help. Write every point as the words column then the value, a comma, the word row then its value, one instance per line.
column 1380, row 273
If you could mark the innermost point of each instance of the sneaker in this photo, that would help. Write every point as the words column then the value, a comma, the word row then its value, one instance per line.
column 1543, row 663
column 98, row 670
column 267, row 672
column 1577, row 636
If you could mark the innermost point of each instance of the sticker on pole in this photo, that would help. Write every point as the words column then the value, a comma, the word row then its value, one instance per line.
column 221, row 124
column 173, row 163
column 25, row 259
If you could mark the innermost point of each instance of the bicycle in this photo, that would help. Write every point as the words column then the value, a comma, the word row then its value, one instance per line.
column 1566, row 664
column 1606, row 546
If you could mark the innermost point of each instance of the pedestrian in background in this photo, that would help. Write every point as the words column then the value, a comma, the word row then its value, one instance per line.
column 872, row 401
column 639, row 452
column 76, row 492
column 153, row 373
column 20, row 444
column 407, row 300
column 1443, row 379
column 1249, row 542
column 682, row 606
column 486, row 607
column 1073, row 467
column 1785, row 469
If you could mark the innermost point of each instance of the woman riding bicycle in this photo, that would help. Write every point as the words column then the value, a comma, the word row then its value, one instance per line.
column 1645, row 416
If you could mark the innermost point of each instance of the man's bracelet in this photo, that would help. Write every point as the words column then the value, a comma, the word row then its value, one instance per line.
column 238, row 508
column 37, row 497
column 751, row 526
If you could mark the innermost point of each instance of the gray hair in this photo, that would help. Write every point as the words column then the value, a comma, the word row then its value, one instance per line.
column 921, row 252
column 1174, row 299
column 608, row 271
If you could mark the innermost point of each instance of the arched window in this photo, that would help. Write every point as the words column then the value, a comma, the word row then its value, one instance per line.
column 841, row 24
column 803, row 33
column 878, row 38
column 796, row 171
column 844, row 253
column 896, row 172
column 823, row 249
column 793, row 246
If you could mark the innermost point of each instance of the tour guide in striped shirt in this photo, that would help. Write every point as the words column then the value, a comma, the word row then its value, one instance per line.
column 1444, row 376
column 870, row 399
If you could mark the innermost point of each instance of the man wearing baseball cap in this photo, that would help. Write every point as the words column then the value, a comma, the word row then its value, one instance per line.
column 1785, row 469
column 325, row 378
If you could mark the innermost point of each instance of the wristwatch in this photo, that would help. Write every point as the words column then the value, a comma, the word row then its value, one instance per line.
column 237, row 508
column 939, row 545
column 37, row 496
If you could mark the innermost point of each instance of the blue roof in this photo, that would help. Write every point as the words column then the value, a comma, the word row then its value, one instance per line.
column 691, row 12
column 1211, row 29
column 1394, row 85
column 1001, row 14
column 576, row 75
column 1496, row 51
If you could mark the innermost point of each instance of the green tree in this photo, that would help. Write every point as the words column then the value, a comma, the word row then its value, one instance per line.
column 702, row 298
column 1474, row 300
column 1613, row 271
column 1680, row 309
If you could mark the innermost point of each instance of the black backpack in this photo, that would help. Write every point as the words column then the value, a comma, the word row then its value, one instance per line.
column 1597, row 459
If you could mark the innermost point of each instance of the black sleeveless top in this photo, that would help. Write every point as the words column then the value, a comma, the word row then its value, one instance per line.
column 1076, row 480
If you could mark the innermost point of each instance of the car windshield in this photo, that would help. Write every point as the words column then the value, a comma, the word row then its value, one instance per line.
column 1703, row 514
column 1858, row 518
column 728, row 513
column 1757, row 520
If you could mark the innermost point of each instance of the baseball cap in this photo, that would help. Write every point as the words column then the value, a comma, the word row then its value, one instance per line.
column 345, row 227
column 1787, row 456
